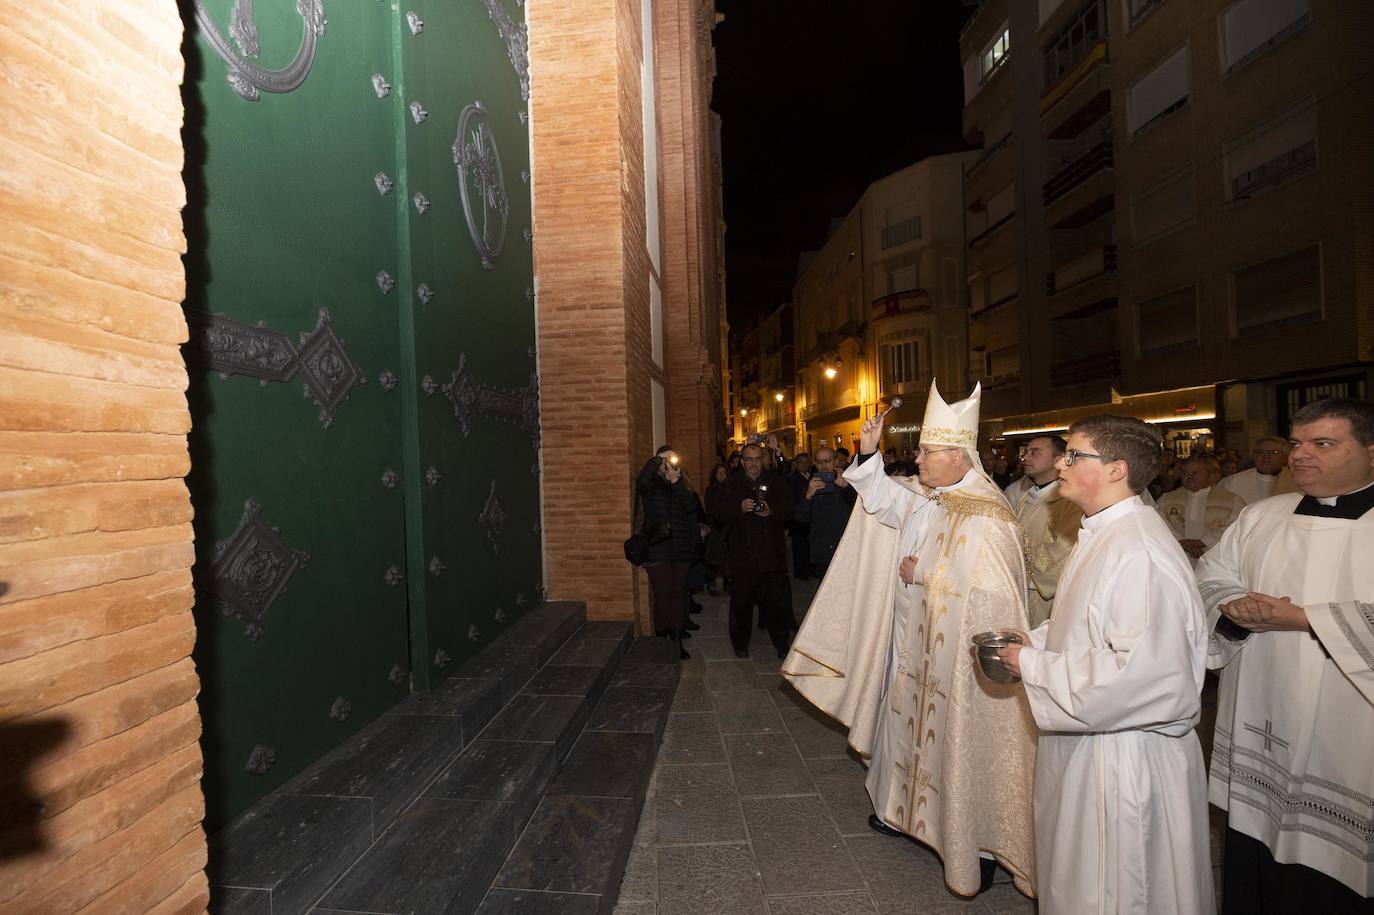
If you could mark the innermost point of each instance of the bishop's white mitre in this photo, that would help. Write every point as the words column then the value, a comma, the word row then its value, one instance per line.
column 951, row 424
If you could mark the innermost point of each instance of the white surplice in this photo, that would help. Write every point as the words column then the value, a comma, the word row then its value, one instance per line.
column 1114, row 680
column 1293, row 760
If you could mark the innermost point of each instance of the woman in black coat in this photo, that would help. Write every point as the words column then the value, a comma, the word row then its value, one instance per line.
column 670, row 523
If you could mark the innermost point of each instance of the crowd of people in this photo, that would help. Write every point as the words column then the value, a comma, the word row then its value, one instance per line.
column 1116, row 577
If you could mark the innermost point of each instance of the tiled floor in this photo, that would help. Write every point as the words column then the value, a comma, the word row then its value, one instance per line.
column 758, row 807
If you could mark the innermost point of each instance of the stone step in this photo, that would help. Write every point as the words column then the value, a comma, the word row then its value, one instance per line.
column 572, row 855
column 294, row 844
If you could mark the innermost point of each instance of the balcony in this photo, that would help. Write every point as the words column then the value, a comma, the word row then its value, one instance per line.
column 1079, row 98
column 988, row 153
column 900, row 233
column 1095, row 263
column 1097, row 159
column 841, row 400
column 1293, row 164
column 983, row 237
column 1085, row 369
column 911, row 300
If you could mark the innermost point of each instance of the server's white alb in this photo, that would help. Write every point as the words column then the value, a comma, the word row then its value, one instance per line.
column 1120, row 787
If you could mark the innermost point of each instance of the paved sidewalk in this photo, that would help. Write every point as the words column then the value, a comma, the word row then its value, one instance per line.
column 757, row 805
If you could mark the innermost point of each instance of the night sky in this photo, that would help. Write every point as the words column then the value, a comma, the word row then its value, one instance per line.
column 818, row 98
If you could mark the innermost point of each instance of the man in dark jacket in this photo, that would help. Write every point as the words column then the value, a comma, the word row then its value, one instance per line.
column 826, row 504
column 757, row 505
column 800, row 529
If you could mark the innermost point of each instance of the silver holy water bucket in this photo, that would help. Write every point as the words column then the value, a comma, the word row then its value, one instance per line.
column 986, row 644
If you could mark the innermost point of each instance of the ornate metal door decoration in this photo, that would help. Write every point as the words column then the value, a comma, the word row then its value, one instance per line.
column 250, row 570
column 327, row 372
column 248, row 78
column 472, row 398
column 481, row 183
column 517, row 39
column 232, row 347
column 492, row 518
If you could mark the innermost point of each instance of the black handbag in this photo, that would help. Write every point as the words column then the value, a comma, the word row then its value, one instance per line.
column 637, row 544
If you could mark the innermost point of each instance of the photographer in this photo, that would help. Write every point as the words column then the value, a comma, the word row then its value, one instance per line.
column 756, row 504
column 826, row 504
column 672, row 528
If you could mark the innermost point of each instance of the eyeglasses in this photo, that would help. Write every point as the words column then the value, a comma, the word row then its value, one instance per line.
column 1071, row 456
column 826, row 461
column 1272, row 452
column 923, row 452
column 754, row 460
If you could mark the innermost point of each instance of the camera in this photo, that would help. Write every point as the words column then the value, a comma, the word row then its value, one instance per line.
column 756, row 440
column 760, row 498
column 829, row 477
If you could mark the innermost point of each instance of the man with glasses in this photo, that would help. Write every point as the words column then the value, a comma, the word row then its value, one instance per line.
column 755, row 504
column 885, row 649
column 825, row 504
column 1114, row 680
column 1269, row 476
column 1049, row 522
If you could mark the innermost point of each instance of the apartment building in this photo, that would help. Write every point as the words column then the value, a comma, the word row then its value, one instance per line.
column 881, row 309
column 1172, row 213
column 764, row 371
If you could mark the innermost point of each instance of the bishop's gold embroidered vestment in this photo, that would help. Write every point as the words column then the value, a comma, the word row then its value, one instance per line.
column 951, row 755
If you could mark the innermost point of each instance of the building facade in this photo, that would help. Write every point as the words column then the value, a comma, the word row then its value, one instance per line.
column 483, row 242
column 881, row 310
column 1189, row 214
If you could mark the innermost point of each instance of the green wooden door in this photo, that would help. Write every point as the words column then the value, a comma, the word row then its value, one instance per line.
column 363, row 396
column 477, row 401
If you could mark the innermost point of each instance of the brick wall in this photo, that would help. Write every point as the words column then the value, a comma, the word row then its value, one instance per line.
column 593, row 270
column 98, row 718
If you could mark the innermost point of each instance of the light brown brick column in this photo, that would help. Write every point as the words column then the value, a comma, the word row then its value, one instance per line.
column 591, row 266
column 98, row 717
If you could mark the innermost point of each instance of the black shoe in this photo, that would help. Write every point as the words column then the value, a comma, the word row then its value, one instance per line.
column 682, row 653
column 691, row 625
column 742, row 653
column 684, row 635
column 782, row 653
column 987, row 871
column 879, row 826
column 694, row 608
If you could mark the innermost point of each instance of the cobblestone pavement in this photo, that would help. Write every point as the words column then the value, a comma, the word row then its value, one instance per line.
column 758, row 805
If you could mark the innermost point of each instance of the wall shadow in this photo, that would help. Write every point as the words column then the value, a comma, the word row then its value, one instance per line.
column 22, row 747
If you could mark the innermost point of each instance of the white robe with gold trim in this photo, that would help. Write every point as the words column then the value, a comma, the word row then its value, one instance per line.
column 952, row 755
column 1293, row 760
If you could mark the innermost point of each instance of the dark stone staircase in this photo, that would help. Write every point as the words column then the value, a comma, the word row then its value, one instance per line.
column 514, row 788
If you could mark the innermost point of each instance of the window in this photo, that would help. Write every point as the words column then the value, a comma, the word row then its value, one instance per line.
column 1003, row 363
column 899, row 363
column 976, row 297
column 901, row 224
column 1167, row 323
column 1002, row 285
column 1139, row 8
column 1251, row 27
column 1002, row 205
column 1161, row 91
column 1163, row 208
column 903, row 279
column 1279, row 292
column 1087, row 29
column 1275, row 153
column 994, row 56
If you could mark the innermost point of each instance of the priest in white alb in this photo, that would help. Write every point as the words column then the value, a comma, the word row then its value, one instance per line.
column 1290, row 588
column 1270, row 475
column 924, row 565
column 1114, row 680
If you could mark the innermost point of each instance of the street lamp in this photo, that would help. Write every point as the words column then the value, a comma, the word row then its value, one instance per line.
column 831, row 371
column 743, row 412
column 778, row 397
